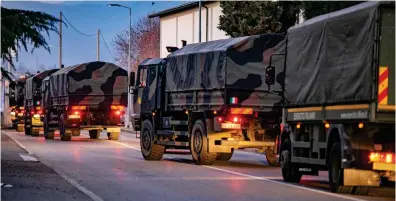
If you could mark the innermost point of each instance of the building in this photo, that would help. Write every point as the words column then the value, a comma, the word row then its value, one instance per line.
column 182, row 23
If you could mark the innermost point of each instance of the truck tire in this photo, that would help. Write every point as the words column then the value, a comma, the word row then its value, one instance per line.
column 65, row 134
column 20, row 128
column 199, row 145
column 48, row 135
column 289, row 172
column 224, row 156
column 35, row 131
column 271, row 157
column 75, row 132
column 113, row 135
column 28, row 131
column 150, row 151
column 336, row 173
column 94, row 134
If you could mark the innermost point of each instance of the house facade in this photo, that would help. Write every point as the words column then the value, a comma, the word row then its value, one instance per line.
column 182, row 23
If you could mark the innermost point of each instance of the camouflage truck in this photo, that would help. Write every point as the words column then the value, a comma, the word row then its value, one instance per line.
column 19, row 91
column 32, row 102
column 339, row 86
column 13, row 103
column 90, row 96
column 209, row 98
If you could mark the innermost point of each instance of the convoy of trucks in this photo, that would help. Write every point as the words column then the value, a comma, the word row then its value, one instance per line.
column 320, row 98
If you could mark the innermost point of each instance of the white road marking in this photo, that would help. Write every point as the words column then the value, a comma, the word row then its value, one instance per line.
column 125, row 145
column 28, row 158
column 7, row 186
column 286, row 184
column 81, row 188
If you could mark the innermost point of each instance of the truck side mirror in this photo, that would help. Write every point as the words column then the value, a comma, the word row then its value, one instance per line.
column 132, row 79
column 270, row 75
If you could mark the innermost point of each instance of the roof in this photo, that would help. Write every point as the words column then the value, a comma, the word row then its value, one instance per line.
column 68, row 69
column 178, row 9
column 210, row 46
column 151, row 61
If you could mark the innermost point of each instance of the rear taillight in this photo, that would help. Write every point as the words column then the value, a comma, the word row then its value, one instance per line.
column 380, row 157
column 117, row 107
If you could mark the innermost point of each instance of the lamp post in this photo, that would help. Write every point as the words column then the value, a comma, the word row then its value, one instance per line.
column 129, row 63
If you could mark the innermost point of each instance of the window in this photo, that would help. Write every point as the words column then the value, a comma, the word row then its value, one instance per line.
column 142, row 77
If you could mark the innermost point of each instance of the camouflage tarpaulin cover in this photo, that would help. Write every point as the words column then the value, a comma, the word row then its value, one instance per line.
column 91, row 83
column 330, row 58
column 33, row 82
column 235, row 63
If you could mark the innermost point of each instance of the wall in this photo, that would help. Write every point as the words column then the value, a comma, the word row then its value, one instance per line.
column 184, row 26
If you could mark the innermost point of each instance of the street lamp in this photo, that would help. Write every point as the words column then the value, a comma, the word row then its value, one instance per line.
column 129, row 62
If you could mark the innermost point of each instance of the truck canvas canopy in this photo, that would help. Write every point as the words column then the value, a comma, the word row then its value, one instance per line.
column 90, row 83
column 343, row 60
column 34, row 82
column 234, row 63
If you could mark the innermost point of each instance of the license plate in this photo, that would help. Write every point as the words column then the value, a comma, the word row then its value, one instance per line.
column 230, row 126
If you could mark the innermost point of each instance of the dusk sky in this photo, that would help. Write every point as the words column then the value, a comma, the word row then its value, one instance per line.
column 87, row 17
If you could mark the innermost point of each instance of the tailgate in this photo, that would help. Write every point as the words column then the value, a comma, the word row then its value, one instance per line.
column 386, row 72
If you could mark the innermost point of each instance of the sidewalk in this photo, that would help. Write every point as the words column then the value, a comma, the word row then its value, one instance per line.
column 30, row 180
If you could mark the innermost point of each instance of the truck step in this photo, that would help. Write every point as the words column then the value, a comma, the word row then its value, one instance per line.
column 170, row 132
column 172, row 143
column 177, row 122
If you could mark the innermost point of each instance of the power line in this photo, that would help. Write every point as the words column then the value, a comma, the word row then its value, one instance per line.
column 75, row 28
column 108, row 49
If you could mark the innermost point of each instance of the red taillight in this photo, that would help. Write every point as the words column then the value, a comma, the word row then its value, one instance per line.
column 220, row 119
column 32, row 112
column 236, row 119
column 382, row 157
column 117, row 112
column 39, row 112
column 76, row 112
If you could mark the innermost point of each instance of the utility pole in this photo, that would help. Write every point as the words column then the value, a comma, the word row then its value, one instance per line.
column 199, row 29
column 60, row 40
column 98, row 46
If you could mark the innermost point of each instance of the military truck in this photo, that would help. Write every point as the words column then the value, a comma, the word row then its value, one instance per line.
column 12, row 103
column 33, row 111
column 90, row 96
column 209, row 98
column 339, row 86
column 20, row 103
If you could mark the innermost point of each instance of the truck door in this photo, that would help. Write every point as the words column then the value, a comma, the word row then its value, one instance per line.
column 140, row 84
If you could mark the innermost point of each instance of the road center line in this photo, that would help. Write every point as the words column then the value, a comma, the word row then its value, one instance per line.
column 125, row 145
column 286, row 184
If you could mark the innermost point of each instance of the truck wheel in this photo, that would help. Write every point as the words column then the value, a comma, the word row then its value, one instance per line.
column 65, row 134
column 94, row 134
column 76, row 132
column 35, row 132
column 289, row 173
column 199, row 145
column 20, row 128
column 28, row 131
column 271, row 157
column 150, row 151
column 48, row 135
column 224, row 156
column 336, row 173
column 113, row 135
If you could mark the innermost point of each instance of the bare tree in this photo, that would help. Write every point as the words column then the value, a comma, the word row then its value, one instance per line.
column 145, row 42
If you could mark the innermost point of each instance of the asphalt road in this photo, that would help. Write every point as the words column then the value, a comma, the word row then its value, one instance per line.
column 115, row 170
